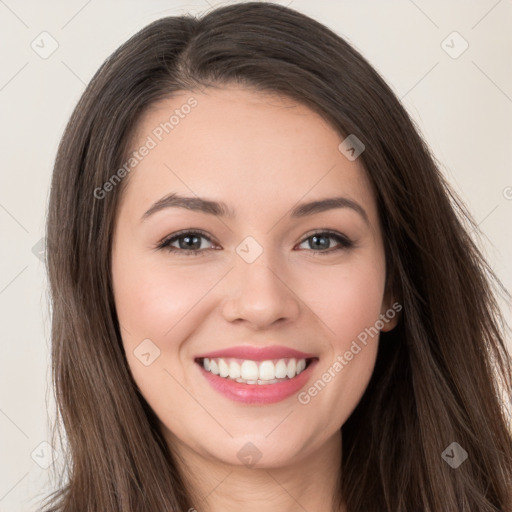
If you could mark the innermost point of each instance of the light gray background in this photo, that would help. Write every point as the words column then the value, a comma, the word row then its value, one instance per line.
column 462, row 105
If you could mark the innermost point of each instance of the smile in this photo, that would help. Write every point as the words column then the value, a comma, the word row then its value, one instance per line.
column 245, row 375
column 255, row 372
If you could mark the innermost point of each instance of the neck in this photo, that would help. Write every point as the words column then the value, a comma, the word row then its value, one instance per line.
column 307, row 484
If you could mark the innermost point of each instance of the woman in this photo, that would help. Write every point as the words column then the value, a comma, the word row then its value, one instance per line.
column 265, row 295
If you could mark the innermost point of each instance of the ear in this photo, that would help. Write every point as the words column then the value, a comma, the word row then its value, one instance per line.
column 390, row 311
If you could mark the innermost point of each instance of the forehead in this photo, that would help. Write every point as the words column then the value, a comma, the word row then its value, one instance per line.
column 250, row 149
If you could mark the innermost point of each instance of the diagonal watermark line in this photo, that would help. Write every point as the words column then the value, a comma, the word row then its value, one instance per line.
column 14, row 76
column 198, row 403
column 123, row 328
column 280, row 423
column 488, row 215
column 492, row 81
column 5, row 495
column 12, row 280
column 301, row 300
column 217, row 486
column 75, row 15
column 13, row 423
column 286, row 491
column 424, row 13
column 218, row 218
column 193, row 306
column 7, row 7
column 307, row 192
column 73, row 72
column 13, row 218
column 420, row 80
column 485, row 15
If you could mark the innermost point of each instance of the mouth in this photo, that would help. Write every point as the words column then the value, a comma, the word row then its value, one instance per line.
column 255, row 373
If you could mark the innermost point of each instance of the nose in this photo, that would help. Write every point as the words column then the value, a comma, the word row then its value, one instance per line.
column 259, row 296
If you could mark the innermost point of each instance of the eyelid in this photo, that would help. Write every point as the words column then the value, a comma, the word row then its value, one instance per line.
column 343, row 241
column 167, row 240
column 181, row 232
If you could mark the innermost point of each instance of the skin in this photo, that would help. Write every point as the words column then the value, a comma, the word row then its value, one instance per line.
column 261, row 154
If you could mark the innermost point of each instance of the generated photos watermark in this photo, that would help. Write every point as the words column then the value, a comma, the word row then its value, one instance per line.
column 151, row 142
column 342, row 360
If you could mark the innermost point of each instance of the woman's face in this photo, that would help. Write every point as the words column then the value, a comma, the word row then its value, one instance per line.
column 276, row 281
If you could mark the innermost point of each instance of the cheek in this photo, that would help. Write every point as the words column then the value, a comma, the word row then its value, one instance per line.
column 348, row 299
column 151, row 299
column 349, row 303
column 356, row 307
column 156, row 302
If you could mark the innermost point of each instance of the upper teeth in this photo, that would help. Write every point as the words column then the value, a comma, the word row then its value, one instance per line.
column 252, row 371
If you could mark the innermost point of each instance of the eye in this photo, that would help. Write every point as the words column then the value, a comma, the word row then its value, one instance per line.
column 319, row 242
column 188, row 243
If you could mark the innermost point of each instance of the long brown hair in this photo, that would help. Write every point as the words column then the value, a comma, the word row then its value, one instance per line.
column 442, row 375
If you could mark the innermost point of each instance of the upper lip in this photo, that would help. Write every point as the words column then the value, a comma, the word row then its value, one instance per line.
column 257, row 353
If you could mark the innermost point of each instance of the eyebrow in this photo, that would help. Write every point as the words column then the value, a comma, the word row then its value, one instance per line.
column 220, row 209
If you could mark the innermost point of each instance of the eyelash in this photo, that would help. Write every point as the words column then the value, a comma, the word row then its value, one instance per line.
column 344, row 242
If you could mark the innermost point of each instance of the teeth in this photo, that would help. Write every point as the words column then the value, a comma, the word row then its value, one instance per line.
column 223, row 368
column 281, row 369
column 255, row 372
column 267, row 370
column 292, row 369
column 249, row 370
column 214, row 367
column 234, row 370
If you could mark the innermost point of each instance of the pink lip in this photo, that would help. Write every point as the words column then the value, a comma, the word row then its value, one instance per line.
column 259, row 394
column 257, row 353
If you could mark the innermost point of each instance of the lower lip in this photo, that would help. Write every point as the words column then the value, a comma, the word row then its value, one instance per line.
column 259, row 393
